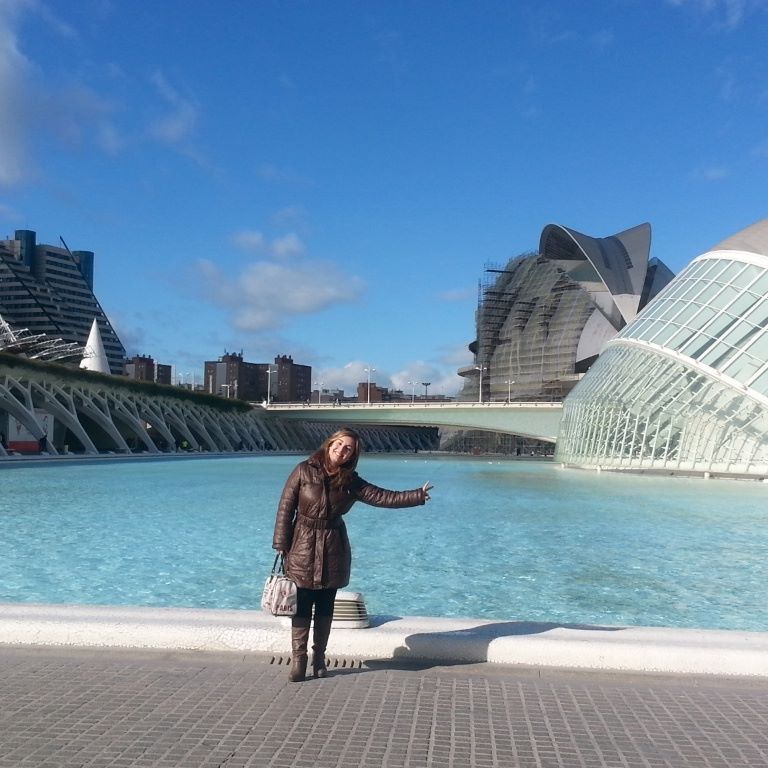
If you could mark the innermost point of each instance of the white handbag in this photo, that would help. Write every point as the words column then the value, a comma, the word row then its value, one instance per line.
column 279, row 595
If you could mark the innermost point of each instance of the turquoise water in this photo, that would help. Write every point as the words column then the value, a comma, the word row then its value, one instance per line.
column 500, row 540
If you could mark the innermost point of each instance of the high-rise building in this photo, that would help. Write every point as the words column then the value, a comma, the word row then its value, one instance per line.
column 294, row 381
column 144, row 368
column 284, row 381
column 46, row 289
column 231, row 376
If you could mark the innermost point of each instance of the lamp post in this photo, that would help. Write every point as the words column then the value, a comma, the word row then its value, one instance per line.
column 480, row 369
column 509, row 384
column 269, row 383
column 413, row 390
column 426, row 385
column 319, row 385
column 369, row 371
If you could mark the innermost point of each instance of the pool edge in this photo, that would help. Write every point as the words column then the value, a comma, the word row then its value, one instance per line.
column 581, row 647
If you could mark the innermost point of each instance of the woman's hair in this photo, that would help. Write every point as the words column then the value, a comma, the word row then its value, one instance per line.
column 347, row 469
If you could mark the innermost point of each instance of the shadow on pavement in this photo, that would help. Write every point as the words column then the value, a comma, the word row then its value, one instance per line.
column 424, row 650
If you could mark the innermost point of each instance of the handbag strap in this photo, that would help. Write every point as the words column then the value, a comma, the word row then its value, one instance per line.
column 281, row 567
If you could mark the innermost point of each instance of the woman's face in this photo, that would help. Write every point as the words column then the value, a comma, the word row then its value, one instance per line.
column 341, row 450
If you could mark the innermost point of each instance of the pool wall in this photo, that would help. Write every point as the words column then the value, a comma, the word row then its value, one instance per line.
column 407, row 639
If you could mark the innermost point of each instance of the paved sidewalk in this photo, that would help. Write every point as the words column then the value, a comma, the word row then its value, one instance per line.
column 96, row 708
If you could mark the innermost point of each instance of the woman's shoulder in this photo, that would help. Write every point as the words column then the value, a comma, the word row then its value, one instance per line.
column 309, row 468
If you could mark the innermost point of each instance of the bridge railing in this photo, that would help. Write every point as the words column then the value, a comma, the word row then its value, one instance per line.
column 434, row 405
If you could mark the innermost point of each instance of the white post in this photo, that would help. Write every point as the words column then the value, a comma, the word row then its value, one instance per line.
column 369, row 371
column 480, row 370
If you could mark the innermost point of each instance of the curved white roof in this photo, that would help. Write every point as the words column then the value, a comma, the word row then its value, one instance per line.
column 753, row 239
column 613, row 269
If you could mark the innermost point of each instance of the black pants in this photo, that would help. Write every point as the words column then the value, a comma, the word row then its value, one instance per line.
column 321, row 599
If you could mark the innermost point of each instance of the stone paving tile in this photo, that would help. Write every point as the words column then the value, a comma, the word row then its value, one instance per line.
column 78, row 709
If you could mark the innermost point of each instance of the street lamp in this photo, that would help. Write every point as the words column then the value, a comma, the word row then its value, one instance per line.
column 318, row 384
column 413, row 390
column 480, row 369
column 426, row 385
column 509, row 384
column 369, row 371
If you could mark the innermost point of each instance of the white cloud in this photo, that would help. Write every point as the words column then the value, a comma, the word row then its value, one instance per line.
column 179, row 122
column 457, row 357
column 276, row 175
column 457, row 294
column 9, row 213
column 268, row 294
column 15, row 75
column 602, row 39
column 249, row 240
column 290, row 216
column 281, row 247
column 34, row 104
column 712, row 173
column 348, row 376
column 727, row 13
column 288, row 245
column 443, row 380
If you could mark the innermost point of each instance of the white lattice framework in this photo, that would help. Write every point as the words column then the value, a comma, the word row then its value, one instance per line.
column 684, row 388
column 104, row 416
column 37, row 346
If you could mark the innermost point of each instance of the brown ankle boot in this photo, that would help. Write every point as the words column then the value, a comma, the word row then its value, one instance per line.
column 322, row 629
column 299, row 639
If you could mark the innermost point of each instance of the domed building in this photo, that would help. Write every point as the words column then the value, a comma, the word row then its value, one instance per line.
column 684, row 386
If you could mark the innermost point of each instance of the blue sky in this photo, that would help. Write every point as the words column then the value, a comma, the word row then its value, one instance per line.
column 329, row 179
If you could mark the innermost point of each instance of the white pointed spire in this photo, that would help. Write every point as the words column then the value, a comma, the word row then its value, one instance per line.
column 95, row 358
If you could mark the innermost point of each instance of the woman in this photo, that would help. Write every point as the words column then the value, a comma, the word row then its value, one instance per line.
column 311, row 535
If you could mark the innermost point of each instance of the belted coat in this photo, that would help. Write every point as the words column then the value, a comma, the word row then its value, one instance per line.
column 309, row 525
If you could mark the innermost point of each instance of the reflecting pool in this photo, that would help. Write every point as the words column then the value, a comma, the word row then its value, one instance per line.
column 501, row 539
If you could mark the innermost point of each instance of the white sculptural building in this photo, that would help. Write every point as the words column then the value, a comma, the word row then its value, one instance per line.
column 544, row 318
column 684, row 387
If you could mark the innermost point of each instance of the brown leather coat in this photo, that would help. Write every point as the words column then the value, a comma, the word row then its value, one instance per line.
column 309, row 524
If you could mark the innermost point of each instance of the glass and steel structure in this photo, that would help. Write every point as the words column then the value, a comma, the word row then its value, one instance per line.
column 684, row 387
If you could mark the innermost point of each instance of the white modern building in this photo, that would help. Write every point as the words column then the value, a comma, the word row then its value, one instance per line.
column 684, row 387
column 545, row 317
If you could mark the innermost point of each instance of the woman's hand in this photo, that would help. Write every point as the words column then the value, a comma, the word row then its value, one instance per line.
column 426, row 488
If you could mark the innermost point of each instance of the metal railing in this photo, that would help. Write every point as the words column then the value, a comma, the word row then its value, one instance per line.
column 405, row 406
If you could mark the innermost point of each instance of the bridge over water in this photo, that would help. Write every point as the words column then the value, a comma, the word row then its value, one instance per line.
column 49, row 408
column 536, row 420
